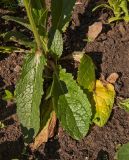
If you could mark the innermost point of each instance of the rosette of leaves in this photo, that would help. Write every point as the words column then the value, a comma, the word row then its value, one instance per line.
column 67, row 98
column 45, row 90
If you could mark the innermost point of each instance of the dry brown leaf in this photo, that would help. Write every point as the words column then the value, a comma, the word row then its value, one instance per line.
column 46, row 133
column 112, row 78
column 94, row 30
column 77, row 57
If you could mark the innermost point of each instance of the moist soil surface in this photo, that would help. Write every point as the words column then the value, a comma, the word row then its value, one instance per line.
column 110, row 53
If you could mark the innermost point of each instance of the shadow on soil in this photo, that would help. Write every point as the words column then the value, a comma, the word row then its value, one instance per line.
column 50, row 150
column 11, row 149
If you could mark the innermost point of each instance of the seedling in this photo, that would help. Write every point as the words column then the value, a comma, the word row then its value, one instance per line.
column 43, row 78
column 124, row 104
column 119, row 8
column 8, row 96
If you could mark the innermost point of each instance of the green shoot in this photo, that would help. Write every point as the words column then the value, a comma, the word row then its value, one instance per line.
column 119, row 8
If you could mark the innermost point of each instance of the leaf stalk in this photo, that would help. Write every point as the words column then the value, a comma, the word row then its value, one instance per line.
column 28, row 7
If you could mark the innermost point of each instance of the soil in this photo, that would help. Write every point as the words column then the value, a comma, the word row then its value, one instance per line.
column 110, row 53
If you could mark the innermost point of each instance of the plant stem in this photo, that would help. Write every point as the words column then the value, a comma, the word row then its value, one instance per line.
column 27, row 4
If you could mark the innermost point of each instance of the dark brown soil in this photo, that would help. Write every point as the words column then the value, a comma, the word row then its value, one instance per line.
column 11, row 142
column 110, row 52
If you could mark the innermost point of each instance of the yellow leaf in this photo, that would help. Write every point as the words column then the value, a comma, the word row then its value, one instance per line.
column 104, row 99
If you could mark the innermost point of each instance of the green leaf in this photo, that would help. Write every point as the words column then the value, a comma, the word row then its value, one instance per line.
column 21, row 21
column 32, row 14
column 86, row 73
column 8, row 96
column 40, row 17
column 46, row 109
column 29, row 91
column 71, row 105
column 123, row 152
column 38, row 5
column 38, row 12
column 124, row 7
column 41, row 23
column 101, row 5
column 112, row 19
column 125, row 104
column 18, row 37
column 57, row 43
column 9, row 49
column 61, row 12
